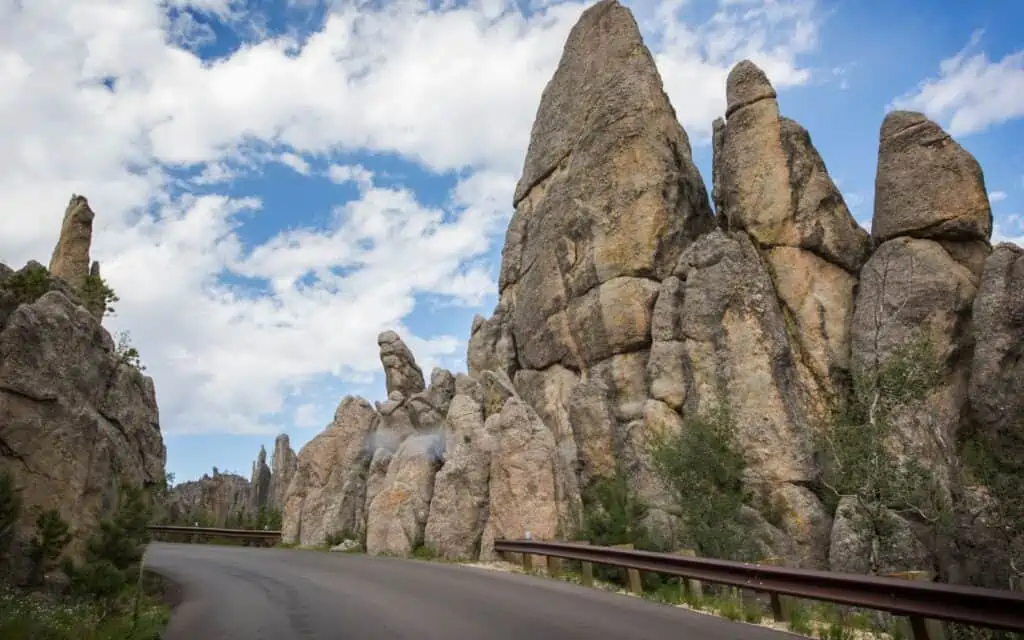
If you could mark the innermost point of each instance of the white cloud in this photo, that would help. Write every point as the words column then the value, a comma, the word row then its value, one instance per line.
column 230, row 330
column 1009, row 228
column 971, row 93
column 296, row 162
column 997, row 196
column 342, row 173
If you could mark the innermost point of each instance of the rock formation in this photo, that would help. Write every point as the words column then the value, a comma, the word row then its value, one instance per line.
column 70, row 260
column 77, row 422
column 215, row 500
column 628, row 309
column 260, row 481
column 282, row 469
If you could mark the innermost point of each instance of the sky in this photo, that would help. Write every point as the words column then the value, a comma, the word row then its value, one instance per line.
column 278, row 181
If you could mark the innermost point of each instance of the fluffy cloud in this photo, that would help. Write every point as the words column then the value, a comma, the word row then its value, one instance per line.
column 107, row 98
column 971, row 93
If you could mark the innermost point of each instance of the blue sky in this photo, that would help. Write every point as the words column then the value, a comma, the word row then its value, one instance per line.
column 276, row 181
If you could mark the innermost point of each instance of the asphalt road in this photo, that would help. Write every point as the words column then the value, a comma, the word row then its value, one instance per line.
column 278, row 594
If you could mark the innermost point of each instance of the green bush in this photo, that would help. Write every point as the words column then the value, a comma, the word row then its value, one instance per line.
column 703, row 468
column 857, row 442
column 51, row 537
column 114, row 552
column 97, row 294
column 613, row 515
column 28, row 285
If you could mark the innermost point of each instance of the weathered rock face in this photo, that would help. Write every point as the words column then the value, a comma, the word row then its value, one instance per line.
column 727, row 342
column 997, row 372
column 460, row 500
column 327, row 495
column 76, row 423
column 211, row 501
column 282, row 469
column 397, row 516
column 523, row 477
column 772, row 184
column 991, row 543
column 70, row 260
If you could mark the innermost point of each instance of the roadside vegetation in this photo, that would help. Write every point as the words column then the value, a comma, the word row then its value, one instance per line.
column 104, row 594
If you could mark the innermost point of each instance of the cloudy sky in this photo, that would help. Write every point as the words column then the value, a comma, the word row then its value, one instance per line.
column 277, row 181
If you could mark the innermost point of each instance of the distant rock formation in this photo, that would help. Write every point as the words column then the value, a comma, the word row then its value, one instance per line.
column 77, row 422
column 282, row 469
column 260, row 481
column 215, row 500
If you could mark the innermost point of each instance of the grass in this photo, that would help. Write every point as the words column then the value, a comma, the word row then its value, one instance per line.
column 37, row 616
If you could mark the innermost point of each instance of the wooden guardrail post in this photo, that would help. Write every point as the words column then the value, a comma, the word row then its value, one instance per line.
column 586, row 569
column 780, row 604
column 693, row 589
column 635, row 584
column 921, row 628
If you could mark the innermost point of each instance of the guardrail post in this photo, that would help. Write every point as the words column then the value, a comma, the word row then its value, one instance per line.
column 635, row 584
column 587, row 569
column 921, row 628
column 780, row 605
column 693, row 589
column 527, row 563
column 554, row 566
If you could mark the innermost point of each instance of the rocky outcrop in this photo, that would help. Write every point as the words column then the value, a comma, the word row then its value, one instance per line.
column 460, row 501
column 628, row 312
column 400, row 369
column 77, row 423
column 260, row 482
column 928, row 186
column 327, row 495
column 389, row 451
column 282, row 468
column 70, row 259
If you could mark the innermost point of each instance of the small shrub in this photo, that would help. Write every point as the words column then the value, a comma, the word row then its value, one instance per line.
column 28, row 285
column 97, row 294
column 799, row 618
column 423, row 552
column 52, row 535
column 836, row 631
column 730, row 608
column 752, row 615
column 129, row 355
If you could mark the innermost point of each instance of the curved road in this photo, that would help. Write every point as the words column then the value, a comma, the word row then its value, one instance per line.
column 278, row 594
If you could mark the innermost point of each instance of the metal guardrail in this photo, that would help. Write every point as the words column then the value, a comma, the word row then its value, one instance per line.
column 992, row 608
column 257, row 535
